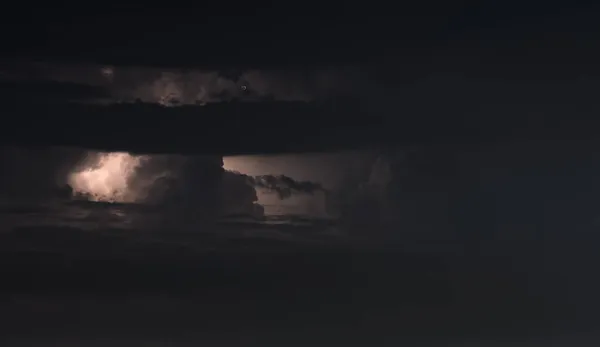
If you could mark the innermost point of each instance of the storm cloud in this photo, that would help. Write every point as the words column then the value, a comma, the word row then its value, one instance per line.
column 173, row 87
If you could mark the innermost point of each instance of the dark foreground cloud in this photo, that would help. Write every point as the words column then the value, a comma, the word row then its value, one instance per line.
column 240, row 193
column 238, row 196
column 284, row 186
column 36, row 172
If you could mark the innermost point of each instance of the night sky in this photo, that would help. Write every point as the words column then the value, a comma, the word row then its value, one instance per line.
column 324, row 176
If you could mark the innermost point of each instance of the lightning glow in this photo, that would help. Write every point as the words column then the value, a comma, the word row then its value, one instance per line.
column 107, row 179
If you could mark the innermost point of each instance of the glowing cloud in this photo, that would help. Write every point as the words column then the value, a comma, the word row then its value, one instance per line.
column 107, row 179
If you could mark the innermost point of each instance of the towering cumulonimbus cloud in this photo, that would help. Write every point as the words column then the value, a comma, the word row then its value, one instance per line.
column 177, row 185
column 200, row 186
column 189, row 184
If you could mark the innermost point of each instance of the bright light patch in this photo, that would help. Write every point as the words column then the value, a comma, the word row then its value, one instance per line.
column 108, row 72
column 107, row 178
column 238, row 164
column 290, row 165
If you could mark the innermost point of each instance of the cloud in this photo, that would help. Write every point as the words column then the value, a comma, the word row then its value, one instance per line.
column 174, row 87
column 47, row 90
column 36, row 173
column 238, row 196
column 200, row 87
column 240, row 190
column 176, row 184
column 284, row 186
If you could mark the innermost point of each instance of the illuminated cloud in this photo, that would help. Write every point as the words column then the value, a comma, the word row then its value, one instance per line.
column 107, row 179
column 172, row 87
